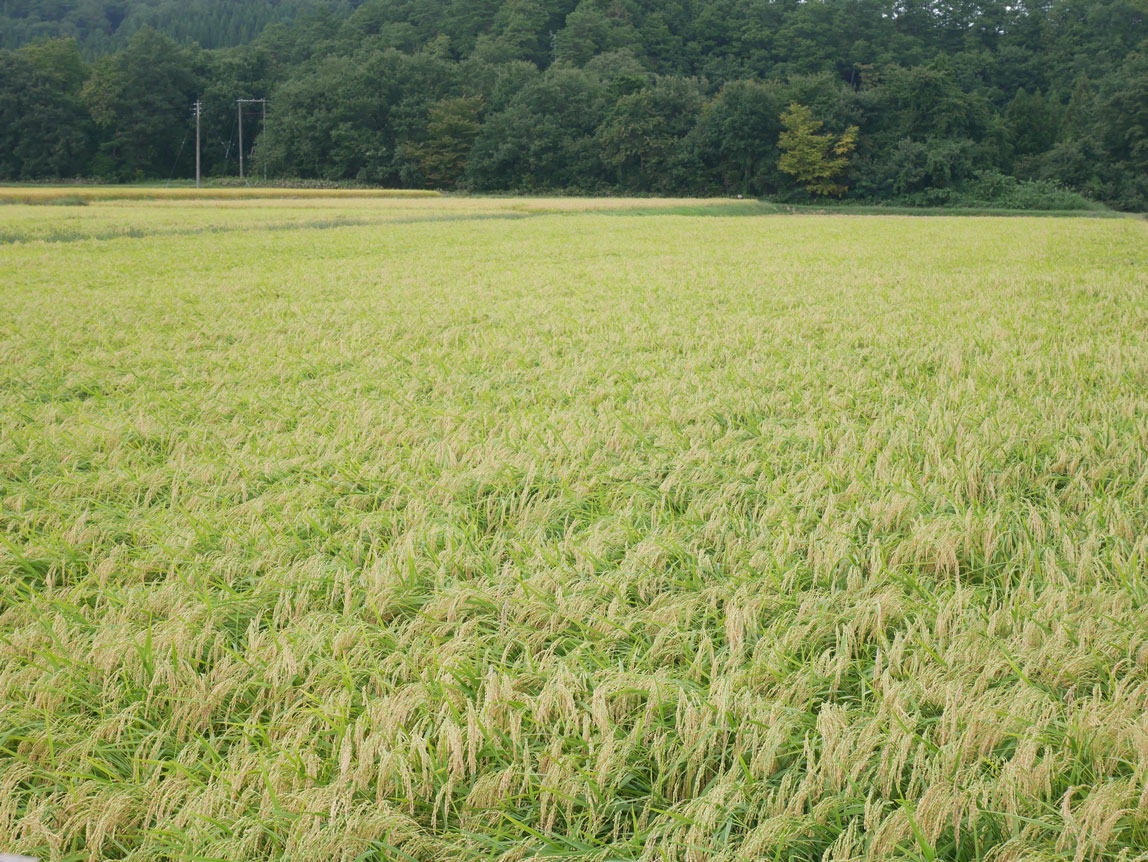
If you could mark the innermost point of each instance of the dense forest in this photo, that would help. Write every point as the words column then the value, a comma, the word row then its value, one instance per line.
column 102, row 26
column 932, row 102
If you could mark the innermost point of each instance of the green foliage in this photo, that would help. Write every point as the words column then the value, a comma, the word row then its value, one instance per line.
column 994, row 190
column 934, row 164
column 641, row 137
column 101, row 26
column 140, row 99
column 737, row 135
column 328, row 125
column 680, row 97
column 991, row 188
column 544, row 138
column 451, row 129
column 1033, row 122
column 588, row 31
column 515, row 33
column 45, row 131
column 815, row 160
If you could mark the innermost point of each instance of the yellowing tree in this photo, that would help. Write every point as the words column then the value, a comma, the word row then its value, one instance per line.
column 816, row 160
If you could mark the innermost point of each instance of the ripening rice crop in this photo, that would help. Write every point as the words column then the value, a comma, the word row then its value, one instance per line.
column 70, row 218
column 604, row 536
column 89, row 194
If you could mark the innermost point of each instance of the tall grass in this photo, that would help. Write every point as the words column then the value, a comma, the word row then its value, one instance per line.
column 600, row 538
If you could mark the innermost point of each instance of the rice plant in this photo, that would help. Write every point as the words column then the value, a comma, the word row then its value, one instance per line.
column 665, row 537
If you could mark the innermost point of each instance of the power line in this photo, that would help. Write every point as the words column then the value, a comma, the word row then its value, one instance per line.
column 176, row 162
column 239, row 103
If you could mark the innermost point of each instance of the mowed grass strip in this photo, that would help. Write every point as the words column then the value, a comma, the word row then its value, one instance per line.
column 667, row 538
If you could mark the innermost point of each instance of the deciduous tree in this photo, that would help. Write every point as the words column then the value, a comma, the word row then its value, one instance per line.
column 815, row 160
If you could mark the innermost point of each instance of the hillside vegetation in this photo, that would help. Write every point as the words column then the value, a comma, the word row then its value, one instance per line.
column 101, row 26
column 1021, row 104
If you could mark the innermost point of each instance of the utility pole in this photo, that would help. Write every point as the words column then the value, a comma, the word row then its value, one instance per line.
column 198, row 111
column 262, row 126
column 239, row 103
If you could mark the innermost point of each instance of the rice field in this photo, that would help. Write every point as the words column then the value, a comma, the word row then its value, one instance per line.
column 341, row 528
column 36, row 194
column 71, row 218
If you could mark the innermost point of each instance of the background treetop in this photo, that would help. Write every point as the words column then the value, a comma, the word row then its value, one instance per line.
column 1032, row 102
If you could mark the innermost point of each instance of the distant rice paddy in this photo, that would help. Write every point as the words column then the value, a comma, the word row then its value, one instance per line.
column 44, row 194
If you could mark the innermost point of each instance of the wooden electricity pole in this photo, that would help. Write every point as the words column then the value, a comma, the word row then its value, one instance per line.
column 198, row 112
column 239, row 105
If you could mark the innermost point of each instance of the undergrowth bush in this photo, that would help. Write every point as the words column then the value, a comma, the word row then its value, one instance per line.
column 998, row 191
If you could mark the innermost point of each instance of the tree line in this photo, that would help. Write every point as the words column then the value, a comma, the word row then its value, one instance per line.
column 942, row 101
column 102, row 26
